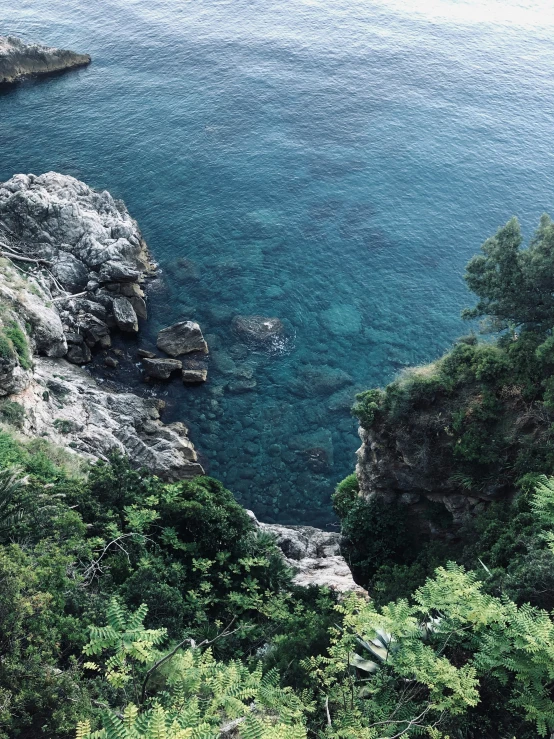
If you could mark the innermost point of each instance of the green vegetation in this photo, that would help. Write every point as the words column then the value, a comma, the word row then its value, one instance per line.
column 64, row 426
column 14, row 343
column 131, row 608
column 20, row 344
column 12, row 413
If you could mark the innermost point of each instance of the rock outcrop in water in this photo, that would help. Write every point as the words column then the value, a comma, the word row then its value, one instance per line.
column 90, row 256
column 19, row 60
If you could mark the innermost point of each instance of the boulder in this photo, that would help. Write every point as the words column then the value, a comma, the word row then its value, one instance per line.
column 112, row 271
column 79, row 354
column 70, row 272
column 193, row 376
column 139, row 306
column 125, row 316
column 182, row 338
column 258, row 330
column 160, row 369
column 145, row 354
column 18, row 59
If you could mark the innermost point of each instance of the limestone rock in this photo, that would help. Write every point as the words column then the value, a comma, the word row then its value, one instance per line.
column 182, row 338
column 18, row 59
column 259, row 330
column 71, row 273
column 193, row 376
column 79, row 354
column 314, row 554
column 145, row 354
column 104, row 422
column 125, row 316
column 160, row 369
column 112, row 271
column 139, row 306
column 92, row 244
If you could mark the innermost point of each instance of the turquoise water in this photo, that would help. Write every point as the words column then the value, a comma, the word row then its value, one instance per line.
column 331, row 162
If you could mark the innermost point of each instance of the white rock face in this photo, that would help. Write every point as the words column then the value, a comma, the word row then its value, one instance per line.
column 18, row 59
column 65, row 404
column 89, row 246
column 314, row 554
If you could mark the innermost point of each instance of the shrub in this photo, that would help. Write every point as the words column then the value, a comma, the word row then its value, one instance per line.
column 64, row 426
column 345, row 495
column 20, row 343
column 12, row 413
column 367, row 407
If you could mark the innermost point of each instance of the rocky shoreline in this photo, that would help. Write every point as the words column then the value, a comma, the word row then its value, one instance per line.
column 19, row 60
column 71, row 276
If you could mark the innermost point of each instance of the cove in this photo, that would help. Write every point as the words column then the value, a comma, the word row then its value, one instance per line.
column 332, row 164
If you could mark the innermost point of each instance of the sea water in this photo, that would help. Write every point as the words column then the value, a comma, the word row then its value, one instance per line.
column 332, row 163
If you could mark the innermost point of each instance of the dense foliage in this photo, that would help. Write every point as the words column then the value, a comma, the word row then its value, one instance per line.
column 131, row 608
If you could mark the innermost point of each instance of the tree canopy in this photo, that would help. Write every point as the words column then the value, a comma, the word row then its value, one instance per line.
column 515, row 285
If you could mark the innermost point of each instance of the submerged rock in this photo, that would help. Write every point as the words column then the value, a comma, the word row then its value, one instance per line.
column 160, row 369
column 258, row 330
column 182, row 338
column 342, row 319
column 18, row 59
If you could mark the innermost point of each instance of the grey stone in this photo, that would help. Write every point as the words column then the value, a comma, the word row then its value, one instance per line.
column 79, row 354
column 70, row 272
column 18, row 59
column 72, row 338
column 146, row 354
column 105, row 422
column 139, row 306
column 182, row 338
column 111, row 362
column 112, row 271
column 314, row 555
column 193, row 376
column 125, row 316
column 259, row 330
column 160, row 369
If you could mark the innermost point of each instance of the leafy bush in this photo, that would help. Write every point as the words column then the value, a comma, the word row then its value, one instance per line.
column 345, row 495
column 12, row 412
column 367, row 406
column 20, row 343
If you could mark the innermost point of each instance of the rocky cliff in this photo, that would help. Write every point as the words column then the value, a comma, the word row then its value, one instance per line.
column 18, row 59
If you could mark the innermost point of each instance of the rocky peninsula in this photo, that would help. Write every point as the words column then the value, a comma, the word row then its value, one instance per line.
column 19, row 59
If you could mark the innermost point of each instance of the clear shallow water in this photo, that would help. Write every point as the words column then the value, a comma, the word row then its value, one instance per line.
column 332, row 162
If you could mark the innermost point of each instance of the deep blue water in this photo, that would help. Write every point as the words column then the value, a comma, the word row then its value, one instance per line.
column 331, row 162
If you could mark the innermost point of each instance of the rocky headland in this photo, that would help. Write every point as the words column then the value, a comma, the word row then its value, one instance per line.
column 19, row 59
